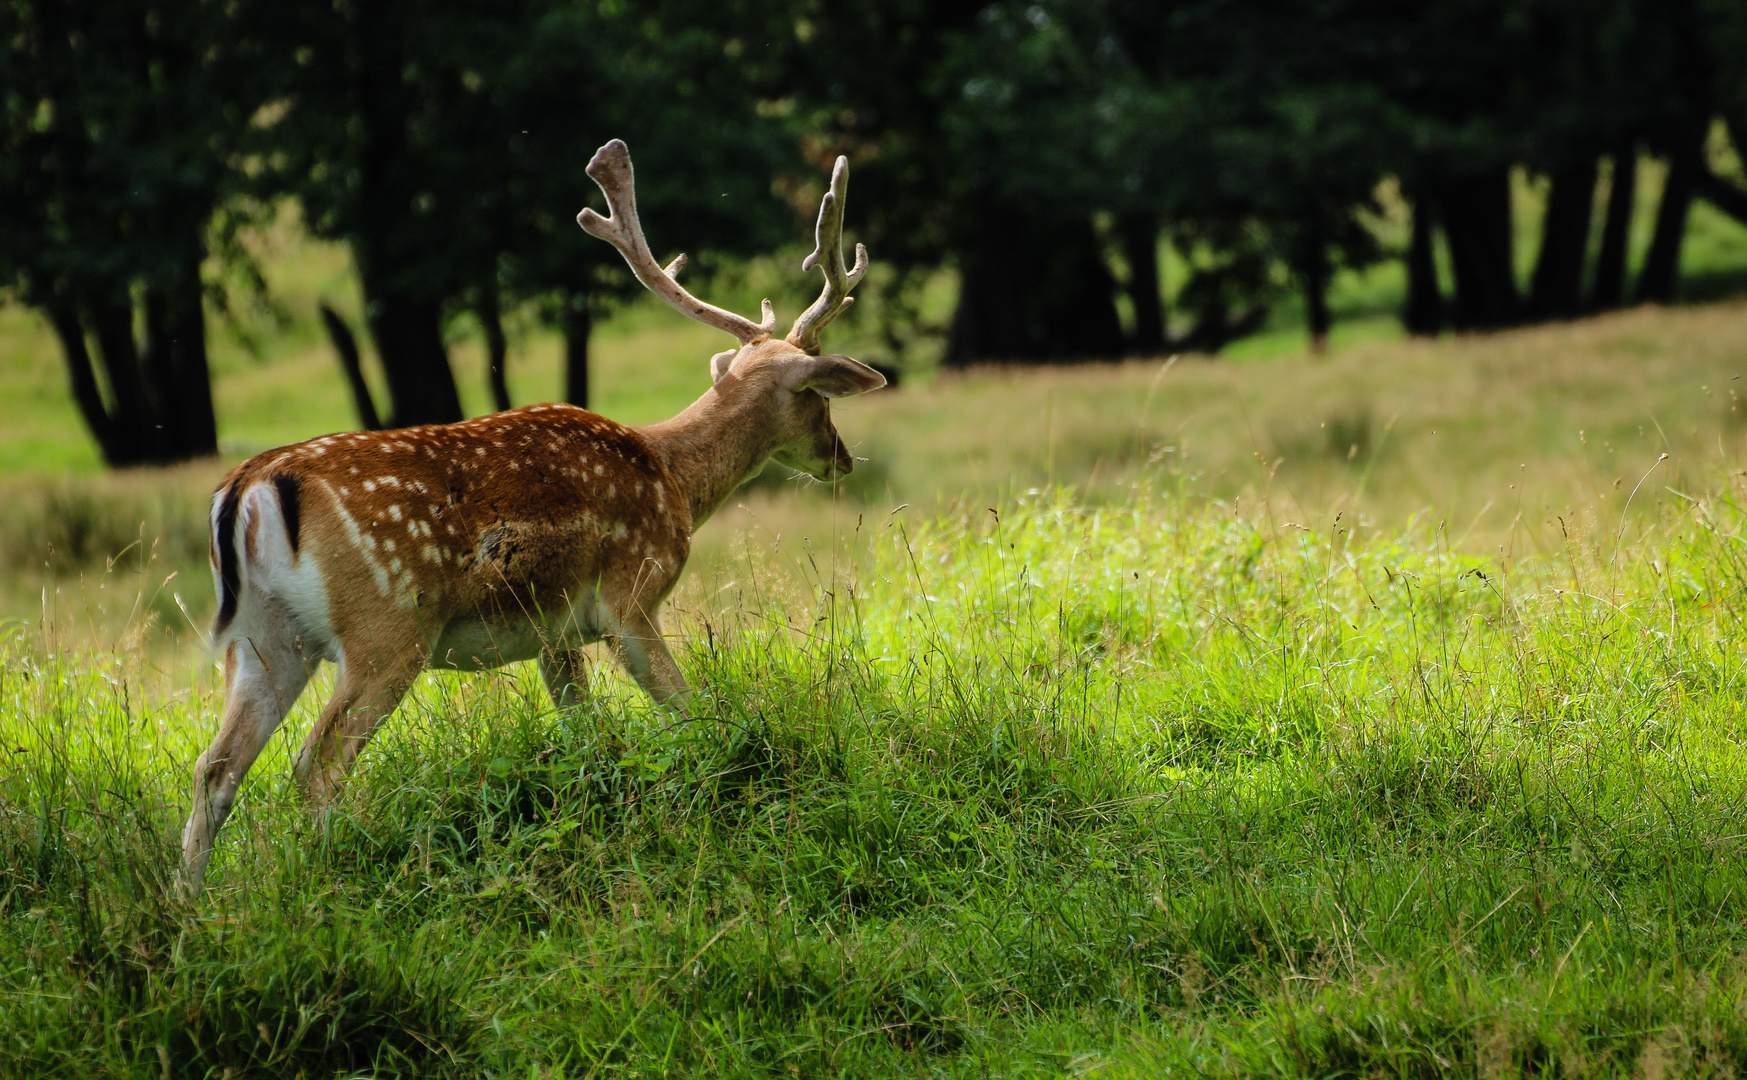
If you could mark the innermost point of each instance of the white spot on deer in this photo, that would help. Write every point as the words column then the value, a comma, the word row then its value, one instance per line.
column 394, row 511
column 600, row 470
column 353, row 470
column 388, row 545
column 392, row 480
column 618, row 530
column 344, row 490
column 431, row 553
column 365, row 545
column 369, row 485
column 394, row 564
column 479, row 450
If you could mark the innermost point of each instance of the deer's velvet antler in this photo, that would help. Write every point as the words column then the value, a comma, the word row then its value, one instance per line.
column 611, row 169
column 828, row 257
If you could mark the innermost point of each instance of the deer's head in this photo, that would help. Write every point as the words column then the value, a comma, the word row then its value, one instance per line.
column 785, row 379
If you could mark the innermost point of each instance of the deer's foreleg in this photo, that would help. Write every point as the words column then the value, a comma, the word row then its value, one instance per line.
column 644, row 653
column 565, row 672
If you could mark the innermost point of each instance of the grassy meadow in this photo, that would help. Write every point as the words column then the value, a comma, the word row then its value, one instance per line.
column 1372, row 714
column 1147, row 789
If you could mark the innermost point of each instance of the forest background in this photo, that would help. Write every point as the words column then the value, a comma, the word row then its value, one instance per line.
column 1041, row 183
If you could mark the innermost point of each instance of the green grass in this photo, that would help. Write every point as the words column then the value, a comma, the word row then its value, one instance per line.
column 1153, row 788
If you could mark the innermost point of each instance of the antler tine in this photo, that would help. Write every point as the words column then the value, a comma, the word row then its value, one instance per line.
column 828, row 256
column 611, row 169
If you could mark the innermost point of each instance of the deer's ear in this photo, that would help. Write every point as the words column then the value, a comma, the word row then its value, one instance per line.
column 720, row 363
column 836, row 376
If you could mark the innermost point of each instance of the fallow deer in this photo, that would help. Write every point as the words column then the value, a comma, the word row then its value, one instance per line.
column 527, row 534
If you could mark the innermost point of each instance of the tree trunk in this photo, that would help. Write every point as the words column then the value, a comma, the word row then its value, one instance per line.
column 161, row 409
column 184, row 376
column 352, row 364
column 84, row 385
column 1475, row 210
column 1557, row 292
column 404, row 308
column 409, row 339
column 1656, row 282
column 138, row 426
column 1033, row 287
column 1140, row 248
column 496, row 349
column 1315, row 278
column 1425, row 301
column 1616, row 231
column 577, row 324
column 1722, row 194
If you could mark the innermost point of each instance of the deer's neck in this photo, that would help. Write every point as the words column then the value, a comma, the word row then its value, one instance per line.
column 713, row 446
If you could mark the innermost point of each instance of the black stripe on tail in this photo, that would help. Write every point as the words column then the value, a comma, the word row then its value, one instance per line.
column 288, row 487
column 224, row 545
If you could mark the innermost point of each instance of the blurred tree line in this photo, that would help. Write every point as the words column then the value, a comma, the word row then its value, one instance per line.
column 1043, row 150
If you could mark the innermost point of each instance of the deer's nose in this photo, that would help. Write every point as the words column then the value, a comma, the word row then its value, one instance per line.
column 842, row 464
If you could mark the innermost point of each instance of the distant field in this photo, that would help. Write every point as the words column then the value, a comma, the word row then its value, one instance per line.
column 1492, row 441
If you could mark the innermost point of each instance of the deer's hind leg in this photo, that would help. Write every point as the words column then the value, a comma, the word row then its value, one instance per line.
column 263, row 675
column 365, row 693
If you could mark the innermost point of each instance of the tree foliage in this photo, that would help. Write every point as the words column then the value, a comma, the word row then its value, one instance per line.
column 1045, row 150
column 449, row 155
column 118, row 145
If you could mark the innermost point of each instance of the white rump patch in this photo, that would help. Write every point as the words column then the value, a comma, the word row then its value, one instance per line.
column 272, row 576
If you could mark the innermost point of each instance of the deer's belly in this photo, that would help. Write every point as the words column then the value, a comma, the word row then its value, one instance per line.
column 476, row 641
